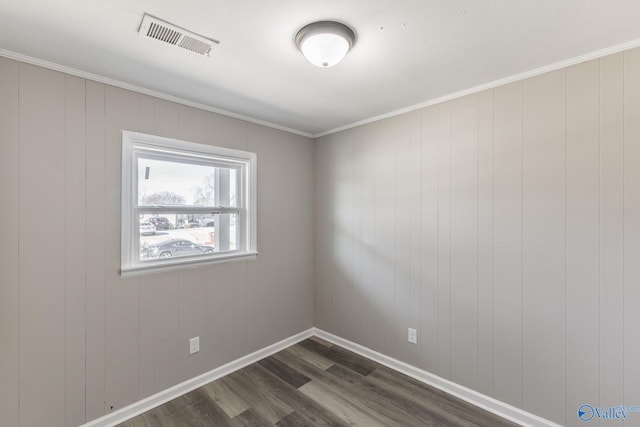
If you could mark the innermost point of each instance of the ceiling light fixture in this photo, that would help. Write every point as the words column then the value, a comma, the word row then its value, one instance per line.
column 325, row 43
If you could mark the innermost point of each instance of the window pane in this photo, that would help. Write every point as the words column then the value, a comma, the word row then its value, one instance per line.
column 179, row 235
column 227, row 232
column 172, row 183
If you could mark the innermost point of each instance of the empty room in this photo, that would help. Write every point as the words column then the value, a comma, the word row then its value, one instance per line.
column 319, row 213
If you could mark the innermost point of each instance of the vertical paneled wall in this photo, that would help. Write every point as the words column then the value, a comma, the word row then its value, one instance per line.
column 77, row 340
column 42, row 258
column 505, row 227
column 9, row 223
column 631, row 228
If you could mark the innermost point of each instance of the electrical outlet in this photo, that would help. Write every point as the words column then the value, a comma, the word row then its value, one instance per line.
column 194, row 345
column 412, row 336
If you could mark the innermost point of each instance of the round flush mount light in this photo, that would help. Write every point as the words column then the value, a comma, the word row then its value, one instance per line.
column 325, row 43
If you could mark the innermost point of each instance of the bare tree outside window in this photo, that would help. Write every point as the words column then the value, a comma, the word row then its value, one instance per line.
column 163, row 198
column 204, row 195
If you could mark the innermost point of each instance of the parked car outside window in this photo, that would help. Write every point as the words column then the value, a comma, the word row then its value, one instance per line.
column 161, row 223
column 178, row 247
column 147, row 229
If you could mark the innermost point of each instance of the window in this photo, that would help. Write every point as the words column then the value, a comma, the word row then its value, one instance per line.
column 185, row 203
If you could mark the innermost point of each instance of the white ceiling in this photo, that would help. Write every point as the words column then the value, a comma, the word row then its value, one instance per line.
column 408, row 51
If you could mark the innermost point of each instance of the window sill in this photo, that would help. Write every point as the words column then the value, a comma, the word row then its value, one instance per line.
column 140, row 270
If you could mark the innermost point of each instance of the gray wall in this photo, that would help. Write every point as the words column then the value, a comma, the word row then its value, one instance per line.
column 75, row 338
column 505, row 227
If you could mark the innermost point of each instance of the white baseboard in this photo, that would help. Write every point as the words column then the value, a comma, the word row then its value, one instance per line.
column 480, row 400
column 144, row 405
column 490, row 404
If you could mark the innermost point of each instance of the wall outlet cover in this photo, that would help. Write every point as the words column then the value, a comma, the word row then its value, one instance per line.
column 194, row 345
column 412, row 336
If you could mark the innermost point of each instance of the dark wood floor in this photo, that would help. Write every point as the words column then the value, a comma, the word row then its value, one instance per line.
column 315, row 383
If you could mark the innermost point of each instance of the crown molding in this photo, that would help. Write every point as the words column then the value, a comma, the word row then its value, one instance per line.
column 491, row 85
column 143, row 90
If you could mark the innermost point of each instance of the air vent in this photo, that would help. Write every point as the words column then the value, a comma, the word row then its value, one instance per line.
column 164, row 31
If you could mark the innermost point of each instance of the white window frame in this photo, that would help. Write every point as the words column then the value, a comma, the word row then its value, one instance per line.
column 135, row 145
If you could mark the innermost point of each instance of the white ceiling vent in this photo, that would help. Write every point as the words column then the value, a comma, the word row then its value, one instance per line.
column 172, row 34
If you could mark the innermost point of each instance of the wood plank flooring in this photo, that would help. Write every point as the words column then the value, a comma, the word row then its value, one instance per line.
column 316, row 383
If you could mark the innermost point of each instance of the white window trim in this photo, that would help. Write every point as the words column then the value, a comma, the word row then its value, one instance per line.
column 135, row 142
